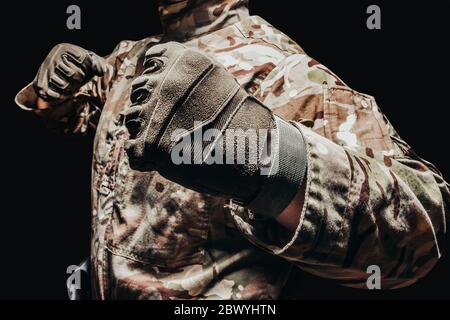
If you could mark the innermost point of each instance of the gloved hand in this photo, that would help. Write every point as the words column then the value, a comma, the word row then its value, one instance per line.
column 65, row 70
column 190, row 120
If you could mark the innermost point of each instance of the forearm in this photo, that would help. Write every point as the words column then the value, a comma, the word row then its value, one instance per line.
column 290, row 216
column 359, row 210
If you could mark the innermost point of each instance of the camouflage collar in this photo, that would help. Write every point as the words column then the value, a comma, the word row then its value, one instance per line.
column 185, row 19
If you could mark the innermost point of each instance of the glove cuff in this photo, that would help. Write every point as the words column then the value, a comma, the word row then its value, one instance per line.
column 286, row 174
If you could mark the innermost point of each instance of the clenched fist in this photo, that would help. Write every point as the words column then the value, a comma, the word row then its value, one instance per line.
column 65, row 70
column 192, row 122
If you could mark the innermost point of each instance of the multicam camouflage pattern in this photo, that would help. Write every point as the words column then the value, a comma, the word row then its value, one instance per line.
column 185, row 19
column 369, row 199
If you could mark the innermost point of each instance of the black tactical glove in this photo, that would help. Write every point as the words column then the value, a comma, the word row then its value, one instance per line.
column 65, row 70
column 188, row 120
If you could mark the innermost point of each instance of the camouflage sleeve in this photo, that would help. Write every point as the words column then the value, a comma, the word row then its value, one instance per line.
column 82, row 112
column 370, row 200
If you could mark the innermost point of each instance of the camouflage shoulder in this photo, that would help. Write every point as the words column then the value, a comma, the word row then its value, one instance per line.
column 258, row 28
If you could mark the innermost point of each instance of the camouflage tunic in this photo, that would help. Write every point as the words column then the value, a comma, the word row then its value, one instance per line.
column 370, row 200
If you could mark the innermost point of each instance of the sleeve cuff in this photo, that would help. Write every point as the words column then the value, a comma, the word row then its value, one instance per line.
column 26, row 98
column 328, row 178
column 286, row 173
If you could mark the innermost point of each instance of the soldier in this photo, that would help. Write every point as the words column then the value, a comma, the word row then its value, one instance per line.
column 347, row 192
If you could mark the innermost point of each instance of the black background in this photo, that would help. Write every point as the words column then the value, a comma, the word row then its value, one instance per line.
column 45, row 215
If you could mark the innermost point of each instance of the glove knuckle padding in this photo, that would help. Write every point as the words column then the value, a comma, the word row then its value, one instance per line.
column 65, row 70
column 211, row 92
column 176, row 85
column 79, row 55
column 58, row 82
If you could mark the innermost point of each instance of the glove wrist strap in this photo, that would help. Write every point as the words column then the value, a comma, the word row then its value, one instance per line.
column 286, row 173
